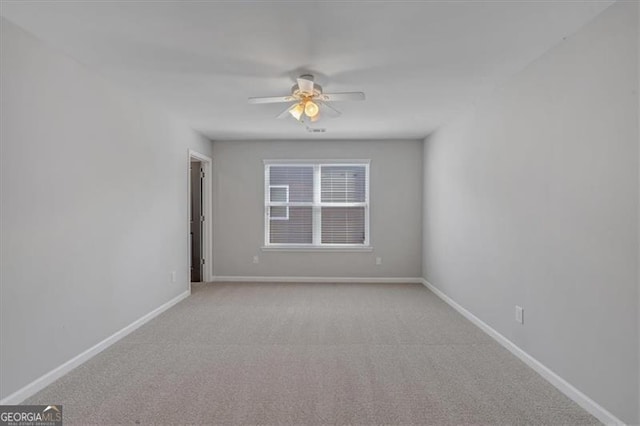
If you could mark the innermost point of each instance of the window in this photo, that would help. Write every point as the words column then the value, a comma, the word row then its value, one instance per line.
column 321, row 204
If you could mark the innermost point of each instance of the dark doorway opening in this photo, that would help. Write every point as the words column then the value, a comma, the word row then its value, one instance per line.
column 197, row 221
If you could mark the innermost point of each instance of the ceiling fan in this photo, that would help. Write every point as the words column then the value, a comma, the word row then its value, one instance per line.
column 308, row 102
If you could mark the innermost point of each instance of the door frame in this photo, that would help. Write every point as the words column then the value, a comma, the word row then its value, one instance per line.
column 207, row 270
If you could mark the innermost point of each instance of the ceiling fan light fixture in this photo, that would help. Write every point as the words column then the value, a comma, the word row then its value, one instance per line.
column 297, row 111
column 311, row 109
column 308, row 99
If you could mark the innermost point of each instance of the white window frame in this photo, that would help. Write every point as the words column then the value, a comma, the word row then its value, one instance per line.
column 317, row 205
column 278, row 204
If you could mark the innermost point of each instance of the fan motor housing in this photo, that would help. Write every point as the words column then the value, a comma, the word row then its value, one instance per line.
column 295, row 91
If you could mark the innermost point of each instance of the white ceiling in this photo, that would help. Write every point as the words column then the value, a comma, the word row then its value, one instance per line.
column 418, row 62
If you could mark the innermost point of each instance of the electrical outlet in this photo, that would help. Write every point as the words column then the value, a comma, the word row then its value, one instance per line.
column 173, row 276
column 519, row 314
column 378, row 261
column 256, row 259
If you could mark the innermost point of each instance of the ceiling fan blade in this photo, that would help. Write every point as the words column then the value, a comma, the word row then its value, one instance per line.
column 285, row 113
column 328, row 110
column 271, row 100
column 344, row 96
column 305, row 83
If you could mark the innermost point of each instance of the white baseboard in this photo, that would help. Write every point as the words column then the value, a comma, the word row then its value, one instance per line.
column 563, row 386
column 53, row 375
column 392, row 280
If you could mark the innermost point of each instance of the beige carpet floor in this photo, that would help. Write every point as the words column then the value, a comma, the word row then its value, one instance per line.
column 309, row 354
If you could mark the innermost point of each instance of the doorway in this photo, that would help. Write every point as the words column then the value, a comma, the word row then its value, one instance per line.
column 199, row 217
column 197, row 221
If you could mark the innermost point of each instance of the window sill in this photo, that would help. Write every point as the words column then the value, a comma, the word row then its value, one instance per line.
column 330, row 249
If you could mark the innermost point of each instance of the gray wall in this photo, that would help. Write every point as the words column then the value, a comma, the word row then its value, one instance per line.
column 531, row 198
column 396, row 204
column 93, row 213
